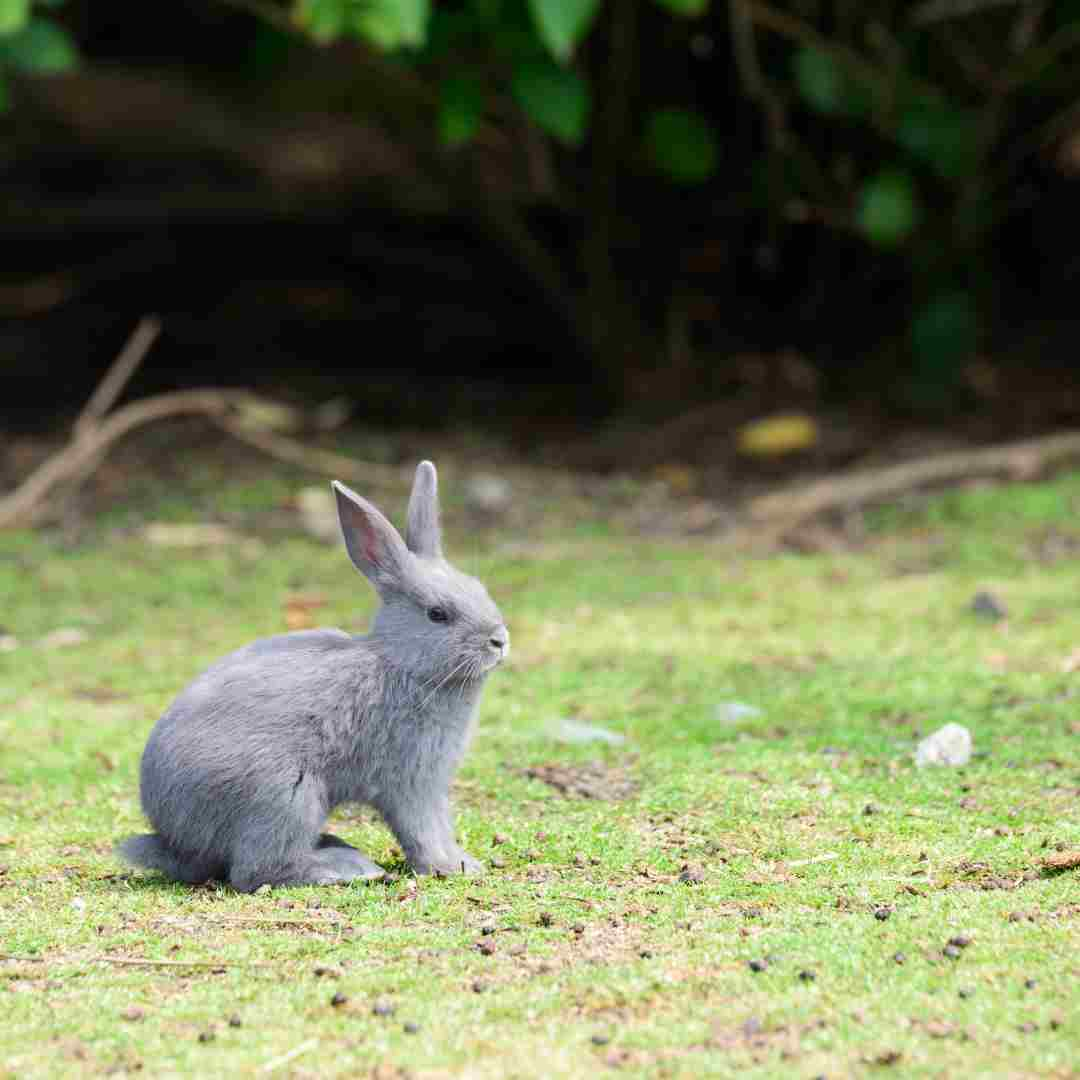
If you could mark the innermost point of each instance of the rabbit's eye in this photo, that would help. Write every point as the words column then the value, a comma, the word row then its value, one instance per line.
column 438, row 614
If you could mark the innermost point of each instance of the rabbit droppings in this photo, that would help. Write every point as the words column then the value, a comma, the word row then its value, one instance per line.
column 240, row 774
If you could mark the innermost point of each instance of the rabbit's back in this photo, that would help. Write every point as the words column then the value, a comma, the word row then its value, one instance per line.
column 261, row 725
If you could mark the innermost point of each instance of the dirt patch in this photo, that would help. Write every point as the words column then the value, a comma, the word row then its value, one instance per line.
column 590, row 780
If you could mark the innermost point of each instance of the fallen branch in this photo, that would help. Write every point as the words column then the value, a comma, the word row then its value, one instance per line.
column 119, row 375
column 284, row 1059
column 1017, row 461
column 132, row 961
column 238, row 412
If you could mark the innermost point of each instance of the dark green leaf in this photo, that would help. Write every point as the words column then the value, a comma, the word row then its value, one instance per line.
column 681, row 145
column 888, row 208
column 14, row 15
column 556, row 99
column 942, row 136
column 691, row 8
column 562, row 24
column 945, row 333
column 819, row 80
column 461, row 109
column 41, row 47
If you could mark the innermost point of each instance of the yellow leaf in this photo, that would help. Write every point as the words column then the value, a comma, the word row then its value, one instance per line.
column 776, row 435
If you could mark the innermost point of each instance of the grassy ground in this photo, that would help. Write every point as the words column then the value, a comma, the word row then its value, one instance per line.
column 813, row 846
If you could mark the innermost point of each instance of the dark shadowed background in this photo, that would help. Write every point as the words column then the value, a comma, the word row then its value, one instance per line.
column 569, row 222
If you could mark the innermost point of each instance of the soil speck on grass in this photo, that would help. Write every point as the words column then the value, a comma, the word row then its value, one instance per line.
column 590, row 780
column 497, row 864
column 546, row 919
column 235, row 1021
column 899, row 958
column 382, row 1007
column 807, row 976
column 487, row 929
column 1030, row 984
column 691, row 875
column 338, row 1000
column 870, row 809
column 133, row 1012
column 499, row 838
column 486, row 948
column 886, row 1057
column 965, row 992
column 206, row 1036
column 961, row 941
column 951, row 951
column 758, row 965
column 479, row 986
column 882, row 913
column 988, row 606
column 752, row 1026
column 410, row 1027
column 601, row 1040
column 1028, row 1028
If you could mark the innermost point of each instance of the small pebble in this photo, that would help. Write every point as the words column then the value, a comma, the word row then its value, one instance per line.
column 1030, row 984
column 579, row 860
column 988, row 605
column 601, row 1040
column 410, row 1027
column 758, row 965
column 961, row 941
column 206, row 1036
column 499, row 838
column 899, row 957
column 951, row 951
column 486, row 948
column 807, row 976
column 382, row 1007
column 338, row 1000
column 479, row 986
column 882, row 913
column 235, row 1021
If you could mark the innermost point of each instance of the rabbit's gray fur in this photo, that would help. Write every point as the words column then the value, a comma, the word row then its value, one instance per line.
column 239, row 775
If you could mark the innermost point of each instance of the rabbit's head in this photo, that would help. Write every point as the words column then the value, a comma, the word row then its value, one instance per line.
column 436, row 623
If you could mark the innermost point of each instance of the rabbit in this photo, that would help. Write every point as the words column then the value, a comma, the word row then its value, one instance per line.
column 240, row 774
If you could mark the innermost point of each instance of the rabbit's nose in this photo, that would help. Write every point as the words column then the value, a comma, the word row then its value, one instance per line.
column 500, row 639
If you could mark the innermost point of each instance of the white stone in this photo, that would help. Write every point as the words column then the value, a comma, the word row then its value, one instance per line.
column 950, row 745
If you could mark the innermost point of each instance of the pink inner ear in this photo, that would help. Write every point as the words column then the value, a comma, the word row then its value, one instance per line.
column 371, row 548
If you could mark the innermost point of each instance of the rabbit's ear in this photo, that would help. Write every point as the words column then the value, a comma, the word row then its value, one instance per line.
column 422, row 533
column 374, row 545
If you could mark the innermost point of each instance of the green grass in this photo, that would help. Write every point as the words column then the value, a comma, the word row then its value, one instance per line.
column 602, row 958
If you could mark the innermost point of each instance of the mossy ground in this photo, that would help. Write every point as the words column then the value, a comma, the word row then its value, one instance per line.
column 819, row 847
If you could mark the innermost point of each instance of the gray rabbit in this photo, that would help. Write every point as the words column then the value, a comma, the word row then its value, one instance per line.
column 239, row 775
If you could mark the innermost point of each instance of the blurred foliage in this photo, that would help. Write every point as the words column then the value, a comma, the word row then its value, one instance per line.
column 32, row 43
column 902, row 126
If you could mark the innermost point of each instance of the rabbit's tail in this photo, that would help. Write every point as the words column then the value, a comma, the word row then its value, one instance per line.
column 150, row 851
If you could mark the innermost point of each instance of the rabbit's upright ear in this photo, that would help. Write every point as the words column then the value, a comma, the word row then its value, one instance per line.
column 422, row 533
column 374, row 545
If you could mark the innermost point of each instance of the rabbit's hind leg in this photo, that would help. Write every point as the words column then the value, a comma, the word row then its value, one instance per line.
column 334, row 852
